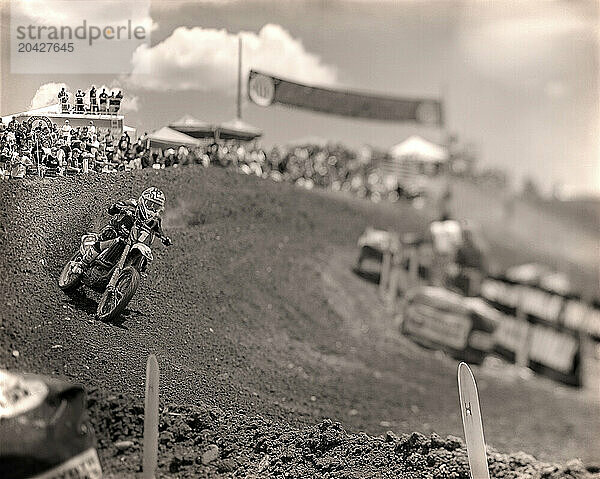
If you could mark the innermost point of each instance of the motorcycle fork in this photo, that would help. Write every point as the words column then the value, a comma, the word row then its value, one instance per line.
column 118, row 268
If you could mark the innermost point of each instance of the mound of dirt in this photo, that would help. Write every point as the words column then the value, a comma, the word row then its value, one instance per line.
column 255, row 311
column 203, row 441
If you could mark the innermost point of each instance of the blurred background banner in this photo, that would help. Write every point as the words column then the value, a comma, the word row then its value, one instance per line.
column 264, row 90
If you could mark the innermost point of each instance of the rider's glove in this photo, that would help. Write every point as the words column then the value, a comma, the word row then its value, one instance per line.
column 167, row 241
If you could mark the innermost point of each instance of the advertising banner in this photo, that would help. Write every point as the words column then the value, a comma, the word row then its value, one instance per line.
column 265, row 90
column 442, row 319
column 541, row 306
column 544, row 324
column 443, row 328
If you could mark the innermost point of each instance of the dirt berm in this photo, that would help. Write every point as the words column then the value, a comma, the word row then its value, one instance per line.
column 265, row 337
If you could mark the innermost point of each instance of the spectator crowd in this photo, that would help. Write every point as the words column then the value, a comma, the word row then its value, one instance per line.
column 42, row 148
column 330, row 166
column 46, row 149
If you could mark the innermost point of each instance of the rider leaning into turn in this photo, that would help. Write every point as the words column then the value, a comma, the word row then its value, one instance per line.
column 146, row 209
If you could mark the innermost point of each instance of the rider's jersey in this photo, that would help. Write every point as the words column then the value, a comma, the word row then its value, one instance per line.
column 121, row 222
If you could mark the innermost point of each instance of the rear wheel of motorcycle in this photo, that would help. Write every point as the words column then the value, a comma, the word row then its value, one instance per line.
column 113, row 302
column 69, row 281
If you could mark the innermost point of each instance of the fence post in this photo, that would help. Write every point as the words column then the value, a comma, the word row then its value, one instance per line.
column 151, row 419
column 396, row 262
column 522, row 352
column 385, row 270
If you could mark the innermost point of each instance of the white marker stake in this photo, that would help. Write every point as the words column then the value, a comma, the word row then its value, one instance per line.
column 471, row 417
column 151, row 418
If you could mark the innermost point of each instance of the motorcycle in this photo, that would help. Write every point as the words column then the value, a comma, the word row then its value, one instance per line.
column 116, row 271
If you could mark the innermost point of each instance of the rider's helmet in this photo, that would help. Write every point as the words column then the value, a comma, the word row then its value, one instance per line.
column 150, row 204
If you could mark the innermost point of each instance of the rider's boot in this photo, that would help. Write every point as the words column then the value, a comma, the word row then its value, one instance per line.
column 89, row 256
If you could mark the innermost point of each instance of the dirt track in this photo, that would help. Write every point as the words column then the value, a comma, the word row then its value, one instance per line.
column 254, row 310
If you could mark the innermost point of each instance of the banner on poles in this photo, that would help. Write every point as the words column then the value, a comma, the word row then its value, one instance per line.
column 265, row 90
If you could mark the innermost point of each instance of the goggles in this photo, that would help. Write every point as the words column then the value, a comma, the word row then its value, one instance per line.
column 153, row 206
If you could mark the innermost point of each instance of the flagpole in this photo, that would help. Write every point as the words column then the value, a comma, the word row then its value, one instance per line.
column 239, row 79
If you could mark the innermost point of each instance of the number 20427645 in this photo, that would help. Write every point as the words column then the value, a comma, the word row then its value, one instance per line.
column 46, row 47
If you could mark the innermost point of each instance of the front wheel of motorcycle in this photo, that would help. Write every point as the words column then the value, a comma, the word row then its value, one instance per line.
column 114, row 301
column 69, row 280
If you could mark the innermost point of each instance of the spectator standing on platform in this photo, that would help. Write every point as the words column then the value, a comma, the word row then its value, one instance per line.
column 118, row 99
column 63, row 96
column 103, row 100
column 79, row 101
column 93, row 102
column 111, row 103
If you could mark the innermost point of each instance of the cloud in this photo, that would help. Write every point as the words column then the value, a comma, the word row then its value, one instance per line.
column 525, row 46
column 130, row 103
column 46, row 95
column 556, row 89
column 170, row 5
column 205, row 59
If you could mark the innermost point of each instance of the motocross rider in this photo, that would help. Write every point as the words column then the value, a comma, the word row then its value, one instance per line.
column 146, row 209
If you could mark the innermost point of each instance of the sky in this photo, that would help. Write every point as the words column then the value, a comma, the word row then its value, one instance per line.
column 519, row 79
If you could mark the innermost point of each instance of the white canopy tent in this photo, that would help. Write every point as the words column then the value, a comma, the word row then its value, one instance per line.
column 237, row 129
column 194, row 127
column 419, row 149
column 168, row 138
column 131, row 131
column 190, row 121
column 413, row 162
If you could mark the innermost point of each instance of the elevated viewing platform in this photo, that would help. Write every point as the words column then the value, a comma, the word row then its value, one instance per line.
column 104, row 122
